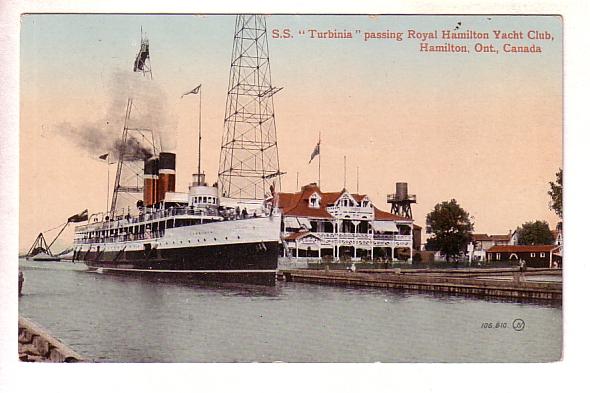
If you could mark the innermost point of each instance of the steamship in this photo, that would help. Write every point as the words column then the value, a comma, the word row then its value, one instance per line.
column 196, row 235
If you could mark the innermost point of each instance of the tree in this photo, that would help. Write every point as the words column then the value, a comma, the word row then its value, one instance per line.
column 451, row 226
column 556, row 192
column 534, row 232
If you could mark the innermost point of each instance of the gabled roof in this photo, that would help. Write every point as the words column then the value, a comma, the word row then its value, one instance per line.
column 297, row 204
column 481, row 237
column 524, row 248
column 500, row 238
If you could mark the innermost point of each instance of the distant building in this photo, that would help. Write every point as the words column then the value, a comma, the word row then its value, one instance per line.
column 533, row 255
column 417, row 237
column 341, row 226
column 501, row 240
column 558, row 234
column 482, row 242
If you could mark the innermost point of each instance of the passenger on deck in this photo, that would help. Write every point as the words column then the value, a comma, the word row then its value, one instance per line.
column 21, row 280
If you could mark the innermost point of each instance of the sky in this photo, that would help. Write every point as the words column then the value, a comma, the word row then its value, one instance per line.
column 485, row 129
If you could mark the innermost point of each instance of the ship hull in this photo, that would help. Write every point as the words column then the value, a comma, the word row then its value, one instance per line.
column 254, row 263
column 242, row 251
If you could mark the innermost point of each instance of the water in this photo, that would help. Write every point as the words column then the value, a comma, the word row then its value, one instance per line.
column 123, row 319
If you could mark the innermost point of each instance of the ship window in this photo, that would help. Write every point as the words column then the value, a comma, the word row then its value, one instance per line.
column 498, row 256
column 542, row 255
column 532, row 254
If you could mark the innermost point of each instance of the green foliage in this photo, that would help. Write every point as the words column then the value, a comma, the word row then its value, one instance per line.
column 556, row 193
column 534, row 232
column 451, row 226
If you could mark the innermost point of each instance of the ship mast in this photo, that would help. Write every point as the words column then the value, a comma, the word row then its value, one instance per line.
column 200, row 176
column 199, row 164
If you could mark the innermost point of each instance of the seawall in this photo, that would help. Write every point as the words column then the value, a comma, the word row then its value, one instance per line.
column 484, row 284
column 35, row 344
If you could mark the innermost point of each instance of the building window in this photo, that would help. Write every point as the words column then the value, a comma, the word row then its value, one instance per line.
column 314, row 201
column 498, row 256
column 532, row 254
column 542, row 255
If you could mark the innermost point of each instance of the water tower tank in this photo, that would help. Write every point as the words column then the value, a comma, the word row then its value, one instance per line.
column 401, row 191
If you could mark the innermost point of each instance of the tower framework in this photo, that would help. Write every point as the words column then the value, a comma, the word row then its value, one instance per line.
column 401, row 202
column 249, row 159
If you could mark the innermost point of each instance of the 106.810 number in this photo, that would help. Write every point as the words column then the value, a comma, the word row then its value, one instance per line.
column 496, row 325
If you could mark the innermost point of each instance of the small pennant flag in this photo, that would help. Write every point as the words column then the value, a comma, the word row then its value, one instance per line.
column 142, row 56
column 193, row 91
column 315, row 152
column 104, row 156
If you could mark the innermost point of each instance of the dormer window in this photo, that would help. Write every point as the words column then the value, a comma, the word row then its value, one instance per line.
column 314, row 201
column 346, row 202
column 366, row 202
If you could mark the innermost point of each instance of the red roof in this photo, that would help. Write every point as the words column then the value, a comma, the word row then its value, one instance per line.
column 480, row 237
column 505, row 238
column 381, row 215
column 297, row 204
column 298, row 235
column 532, row 248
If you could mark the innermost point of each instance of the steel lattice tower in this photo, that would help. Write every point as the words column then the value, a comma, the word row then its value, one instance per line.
column 249, row 159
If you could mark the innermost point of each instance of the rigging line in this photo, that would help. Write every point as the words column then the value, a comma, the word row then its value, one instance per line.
column 52, row 229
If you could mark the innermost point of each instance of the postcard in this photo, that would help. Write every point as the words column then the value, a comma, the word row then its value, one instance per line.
column 291, row 188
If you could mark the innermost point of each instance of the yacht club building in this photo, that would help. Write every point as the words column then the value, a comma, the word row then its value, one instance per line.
column 341, row 226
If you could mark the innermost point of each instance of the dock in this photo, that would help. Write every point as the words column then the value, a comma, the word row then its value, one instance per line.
column 503, row 283
column 35, row 344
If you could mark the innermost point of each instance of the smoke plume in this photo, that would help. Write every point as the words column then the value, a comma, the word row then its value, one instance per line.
column 152, row 124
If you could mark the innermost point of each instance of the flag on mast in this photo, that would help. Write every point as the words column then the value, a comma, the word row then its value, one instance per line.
column 193, row 91
column 83, row 216
column 315, row 152
column 104, row 156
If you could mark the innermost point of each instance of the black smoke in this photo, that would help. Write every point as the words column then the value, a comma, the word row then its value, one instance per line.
column 98, row 140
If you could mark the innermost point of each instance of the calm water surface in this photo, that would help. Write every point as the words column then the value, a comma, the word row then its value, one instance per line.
column 123, row 319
